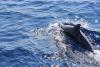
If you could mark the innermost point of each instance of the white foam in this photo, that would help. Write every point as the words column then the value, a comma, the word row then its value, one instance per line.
column 96, row 55
column 54, row 32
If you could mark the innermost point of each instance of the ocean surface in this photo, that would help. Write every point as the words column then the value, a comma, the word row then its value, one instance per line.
column 30, row 33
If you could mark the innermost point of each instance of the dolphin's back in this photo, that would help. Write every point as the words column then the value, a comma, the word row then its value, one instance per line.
column 75, row 33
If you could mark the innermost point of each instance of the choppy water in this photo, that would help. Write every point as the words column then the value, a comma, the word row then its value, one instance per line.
column 30, row 35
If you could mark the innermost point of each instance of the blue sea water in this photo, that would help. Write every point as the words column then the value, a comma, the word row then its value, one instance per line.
column 26, row 42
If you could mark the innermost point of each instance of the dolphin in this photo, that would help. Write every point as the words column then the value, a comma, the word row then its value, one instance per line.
column 77, row 35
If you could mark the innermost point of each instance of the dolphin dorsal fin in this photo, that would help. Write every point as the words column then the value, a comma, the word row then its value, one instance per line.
column 77, row 27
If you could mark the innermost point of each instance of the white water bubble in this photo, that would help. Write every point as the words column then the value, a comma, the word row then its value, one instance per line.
column 96, row 21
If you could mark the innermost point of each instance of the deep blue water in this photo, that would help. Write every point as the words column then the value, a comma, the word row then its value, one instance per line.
column 25, row 42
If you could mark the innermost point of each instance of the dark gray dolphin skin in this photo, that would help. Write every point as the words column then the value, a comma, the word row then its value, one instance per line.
column 74, row 32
